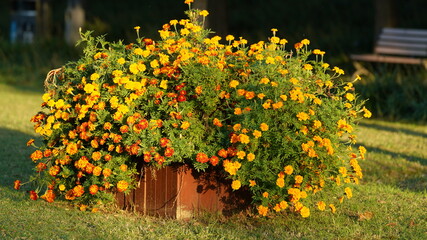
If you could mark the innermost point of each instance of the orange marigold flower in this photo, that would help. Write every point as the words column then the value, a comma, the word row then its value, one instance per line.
column 30, row 142
column 202, row 157
column 36, row 155
column 78, row 191
column 93, row 189
column 72, row 148
column 217, row 122
column 106, row 172
column 214, row 160
column 49, row 196
column 252, row 183
column 223, row 153
column 33, row 195
column 169, row 152
column 243, row 138
column 17, row 184
column 122, row 186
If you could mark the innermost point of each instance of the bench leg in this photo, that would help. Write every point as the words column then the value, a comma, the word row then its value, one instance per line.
column 361, row 70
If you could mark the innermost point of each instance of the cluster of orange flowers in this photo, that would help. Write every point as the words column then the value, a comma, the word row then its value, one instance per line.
column 273, row 121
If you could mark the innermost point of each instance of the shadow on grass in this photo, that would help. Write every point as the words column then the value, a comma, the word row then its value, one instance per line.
column 393, row 129
column 14, row 157
column 408, row 157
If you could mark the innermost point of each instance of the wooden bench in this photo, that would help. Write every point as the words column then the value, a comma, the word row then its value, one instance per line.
column 396, row 46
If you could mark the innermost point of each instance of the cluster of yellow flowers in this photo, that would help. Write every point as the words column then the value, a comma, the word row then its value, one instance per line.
column 273, row 120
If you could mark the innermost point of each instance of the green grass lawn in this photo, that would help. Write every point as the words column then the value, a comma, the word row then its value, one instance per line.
column 391, row 202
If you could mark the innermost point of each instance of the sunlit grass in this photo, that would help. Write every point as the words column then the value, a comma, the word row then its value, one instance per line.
column 389, row 204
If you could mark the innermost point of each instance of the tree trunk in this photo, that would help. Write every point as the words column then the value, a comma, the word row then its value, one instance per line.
column 44, row 19
column 74, row 20
column 385, row 15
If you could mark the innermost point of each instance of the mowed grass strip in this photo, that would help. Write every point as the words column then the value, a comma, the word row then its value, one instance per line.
column 390, row 203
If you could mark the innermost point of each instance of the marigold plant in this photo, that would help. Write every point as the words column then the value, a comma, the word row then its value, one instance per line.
column 277, row 119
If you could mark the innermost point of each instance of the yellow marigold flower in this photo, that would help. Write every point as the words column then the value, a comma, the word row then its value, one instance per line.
column 137, row 28
column 229, row 38
column 261, row 95
column 236, row 184
column 267, row 104
column 185, row 125
column 121, row 61
column 244, row 138
column 264, row 127
column 250, row 157
column 302, row 116
column 173, row 22
column 332, row 207
column 277, row 208
column 284, row 97
column 89, row 88
column 262, row 210
column 241, row 154
column 277, row 105
column 305, row 41
column 61, row 187
column 325, row 65
column 164, row 84
column 349, row 96
column 154, row 63
column 308, row 67
column 264, row 80
column 133, row 68
column 298, row 179
column 233, row 83
column 94, row 76
column 305, row 212
column 280, row 182
column 321, row 205
column 138, row 51
column 367, row 113
column 274, row 84
column 289, row 169
column 283, row 205
column 338, row 70
column 270, row 60
column 238, row 111
column 204, row 13
column 265, row 194
column 348, row 192
column 257, row 134
column 275, row 40
column 283, row 41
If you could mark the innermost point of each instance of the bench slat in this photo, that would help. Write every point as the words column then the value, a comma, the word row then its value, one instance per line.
column 405, row 31
column 400, row 51
column 399, row 44
column 403, row 38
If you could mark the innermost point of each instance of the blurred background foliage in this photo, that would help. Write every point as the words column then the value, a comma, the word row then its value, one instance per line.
column 339, row 27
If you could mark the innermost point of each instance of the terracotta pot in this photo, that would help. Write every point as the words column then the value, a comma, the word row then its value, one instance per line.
column 181, row 192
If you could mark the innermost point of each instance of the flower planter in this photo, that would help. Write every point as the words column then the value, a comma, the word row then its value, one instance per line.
column 181, row 192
